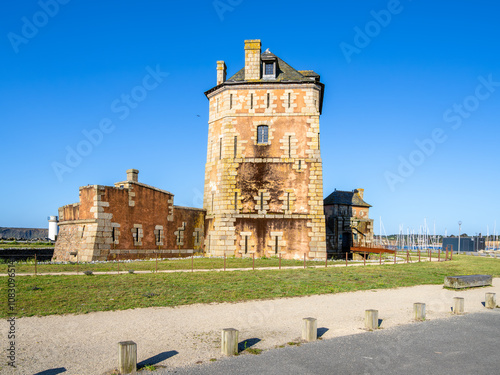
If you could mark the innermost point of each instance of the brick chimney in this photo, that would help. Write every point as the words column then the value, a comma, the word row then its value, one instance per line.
column 360, row 192
column 221, row 72
column 252, row 59
column 132, row 175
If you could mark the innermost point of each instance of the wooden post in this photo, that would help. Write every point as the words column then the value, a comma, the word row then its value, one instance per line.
column 346, row 258
column 419, row 255
column 451, row 253
column 446, row 255
column 430, row 255
column 127, row 357
column 458, row 305
column 371, row 319
column 224, row 260
column 309, row 329
column 407, row 256
column 419, row 311
column 253, row 257
column 229, row 341
column 490, row 300
column 156, row 264
column 36, row 261
column 192, row 263
column 280, row 262
column 395, row 252
column 304, row 260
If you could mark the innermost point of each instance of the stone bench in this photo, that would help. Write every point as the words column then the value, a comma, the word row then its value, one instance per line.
column 469, row 281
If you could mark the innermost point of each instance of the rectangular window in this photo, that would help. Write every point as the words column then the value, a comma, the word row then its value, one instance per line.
column 262, row 134
column 246, row 244
column 319, row 143
column 269, row 69
column 113, row 234
column 217, row 105
column 276, row 246
column 220, row 149
column 261, row 201
column 289, row 146
column 268, row 99
column 289, row 99
column 235, row 146
column 288, row 201
column 231, row 101
column 251, row 101
column 236, row 201
column 300, row 165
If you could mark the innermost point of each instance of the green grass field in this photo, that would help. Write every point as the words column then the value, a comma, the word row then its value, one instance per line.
column 47, row 295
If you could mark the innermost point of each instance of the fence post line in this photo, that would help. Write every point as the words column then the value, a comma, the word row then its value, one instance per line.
column 490, row 300
column 156, row 263
column 451, row 254
column 309, row 329
column 430, row 255
column 419, row 311
column 36, row 261
column 118, row 262
column 407, row 256
column 371, row 319
column 127, row 357
column 346, row 258
column 458, row 305
column 229, row 341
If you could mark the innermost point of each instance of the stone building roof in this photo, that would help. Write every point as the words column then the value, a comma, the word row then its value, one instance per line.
column 349, row 198
column 285, row 73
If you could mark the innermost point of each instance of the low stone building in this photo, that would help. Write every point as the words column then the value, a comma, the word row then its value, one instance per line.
column 130, row 220
column 347, row 222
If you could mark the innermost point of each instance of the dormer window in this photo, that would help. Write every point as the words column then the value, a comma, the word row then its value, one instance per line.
column 269, row 65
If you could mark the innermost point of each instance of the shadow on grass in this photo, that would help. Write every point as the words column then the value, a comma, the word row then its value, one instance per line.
column 52, row 371
column 157, row 359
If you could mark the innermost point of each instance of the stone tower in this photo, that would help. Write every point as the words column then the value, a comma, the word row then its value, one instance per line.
column 263, row 178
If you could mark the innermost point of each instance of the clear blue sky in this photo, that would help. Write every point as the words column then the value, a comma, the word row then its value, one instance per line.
column 422, row 71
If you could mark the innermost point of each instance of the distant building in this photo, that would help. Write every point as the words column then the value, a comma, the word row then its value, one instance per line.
column 475, row 243
column 347, row 221
column 130, row 220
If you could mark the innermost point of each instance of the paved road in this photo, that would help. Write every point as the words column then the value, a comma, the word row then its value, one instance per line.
column 467, row 344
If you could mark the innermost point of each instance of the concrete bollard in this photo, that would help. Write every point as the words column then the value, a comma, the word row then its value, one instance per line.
column 458, row 305
column 309, row 329
column 127, row 357
column 371, row 319
column 229, row 341
column 490, row 300
column 419, row 311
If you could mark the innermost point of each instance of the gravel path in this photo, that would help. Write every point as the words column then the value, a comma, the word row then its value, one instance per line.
column 185, row 335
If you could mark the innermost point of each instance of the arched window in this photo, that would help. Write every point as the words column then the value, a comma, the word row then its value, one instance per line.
column 262, row 134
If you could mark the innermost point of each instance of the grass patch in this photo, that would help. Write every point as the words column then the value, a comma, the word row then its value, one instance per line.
column 48, row 295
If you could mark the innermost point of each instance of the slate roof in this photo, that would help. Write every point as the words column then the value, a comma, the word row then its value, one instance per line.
column 349, row 198
column 285, row 73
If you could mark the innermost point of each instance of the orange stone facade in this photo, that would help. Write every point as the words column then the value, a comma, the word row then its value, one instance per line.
column 264, row 196
column 130, row 220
